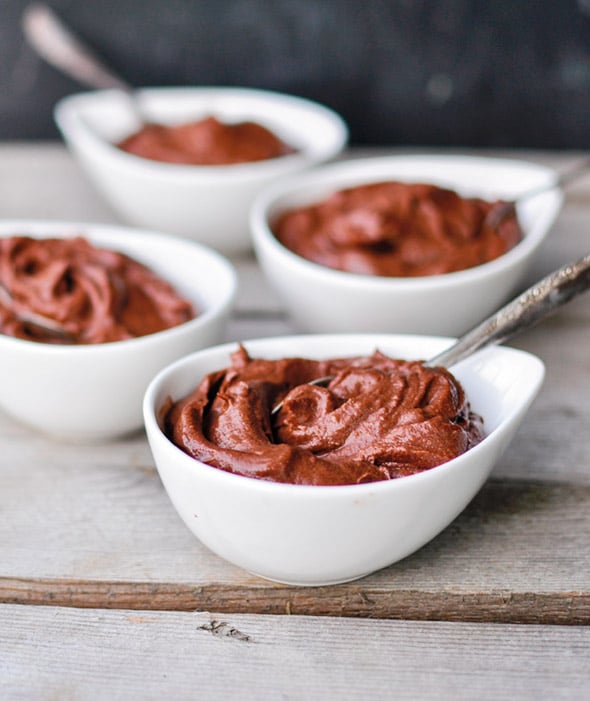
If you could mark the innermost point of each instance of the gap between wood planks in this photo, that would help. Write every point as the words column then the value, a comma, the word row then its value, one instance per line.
column 347, row 600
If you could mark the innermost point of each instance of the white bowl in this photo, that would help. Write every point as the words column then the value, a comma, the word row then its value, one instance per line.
column 321, row 299
column 94, row 392
column 207, row 203
column 312, row 535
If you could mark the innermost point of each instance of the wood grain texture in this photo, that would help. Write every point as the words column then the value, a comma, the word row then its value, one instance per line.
column 106, row 536
column 363, row 600
column 53, row 653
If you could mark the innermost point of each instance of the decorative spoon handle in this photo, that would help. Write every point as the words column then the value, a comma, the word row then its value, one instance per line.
column 527, row 309
column 57, row 44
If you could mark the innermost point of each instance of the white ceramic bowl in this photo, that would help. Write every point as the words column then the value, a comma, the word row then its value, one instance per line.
column 94, row 392
column 311, row 535
column 207, row 203
column 321, row 299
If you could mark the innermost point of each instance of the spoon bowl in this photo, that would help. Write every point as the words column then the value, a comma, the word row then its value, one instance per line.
column 37, row 321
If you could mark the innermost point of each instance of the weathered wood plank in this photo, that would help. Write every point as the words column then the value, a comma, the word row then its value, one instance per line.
column 107, row 537
column 69, row 653
column 553, row 442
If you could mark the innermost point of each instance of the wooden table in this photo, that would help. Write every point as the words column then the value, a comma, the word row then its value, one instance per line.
column 105, row 594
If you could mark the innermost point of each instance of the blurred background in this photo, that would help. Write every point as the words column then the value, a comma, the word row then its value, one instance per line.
column 507, row 73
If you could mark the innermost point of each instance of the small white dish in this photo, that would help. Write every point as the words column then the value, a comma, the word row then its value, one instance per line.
column 209, row 204
column 320, row 299
column 94, row 392
column 308, row 535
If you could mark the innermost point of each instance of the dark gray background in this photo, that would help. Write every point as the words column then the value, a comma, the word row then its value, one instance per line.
column 405, row 72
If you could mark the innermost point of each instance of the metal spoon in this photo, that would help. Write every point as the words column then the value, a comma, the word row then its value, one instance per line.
column 504, row 209
column 60, row 47
column 37, row 321
column 533, row 305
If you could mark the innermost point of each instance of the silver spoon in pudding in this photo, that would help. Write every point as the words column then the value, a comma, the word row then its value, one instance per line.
column 44, row 324
column 506, row 208
column 534, row 304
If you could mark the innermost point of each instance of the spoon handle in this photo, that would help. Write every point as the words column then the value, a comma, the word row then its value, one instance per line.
column 527, row 309
column 58, row 46
column 567, row 176
column 504, row 209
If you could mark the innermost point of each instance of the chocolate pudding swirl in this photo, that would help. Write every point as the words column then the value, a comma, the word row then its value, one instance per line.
column 206, row 142
column 397, row 230
column 95, row 295
column 378, row 419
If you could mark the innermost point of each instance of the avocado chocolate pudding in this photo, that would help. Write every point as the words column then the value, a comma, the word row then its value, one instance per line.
column 92, row 294
column 206, row 142
column 396, row 229
column 378, row 419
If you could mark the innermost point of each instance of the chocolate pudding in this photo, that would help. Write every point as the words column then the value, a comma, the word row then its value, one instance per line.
column 378, row 419
column 94, row 295
column 206, row 142
column 395, row 229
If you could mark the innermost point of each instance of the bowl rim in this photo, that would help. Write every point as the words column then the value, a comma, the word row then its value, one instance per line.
column 67, row 229
column 67, row 115
column 346, row 173
column 186, row 462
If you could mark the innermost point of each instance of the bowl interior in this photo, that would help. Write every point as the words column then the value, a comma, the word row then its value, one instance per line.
column 315, row 131
column 499, row 382
column 470, row 176
column 196, row 272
